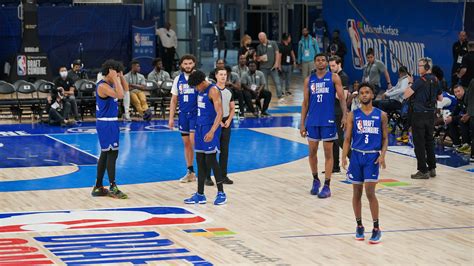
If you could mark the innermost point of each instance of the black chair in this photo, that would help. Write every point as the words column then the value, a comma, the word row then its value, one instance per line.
column 43, row 93
column 26, row 97
column 85, row 96
column 8, row 100
column 153, row 95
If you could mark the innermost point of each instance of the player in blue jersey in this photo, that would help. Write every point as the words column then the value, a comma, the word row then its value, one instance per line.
column 108, row 90
column 318, row 119
column 367, row 128
column 207, row 138
column 186, row 96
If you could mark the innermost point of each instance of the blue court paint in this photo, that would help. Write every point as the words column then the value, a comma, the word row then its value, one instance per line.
column 285, row 109
column 29, row 151
column 153, row 156
column 386, row 231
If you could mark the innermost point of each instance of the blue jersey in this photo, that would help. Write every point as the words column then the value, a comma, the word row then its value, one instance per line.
column 106, row 108
column 453, row 99
column 186, row 96
column 322, row 97
column 206, row 112
column 367, row 130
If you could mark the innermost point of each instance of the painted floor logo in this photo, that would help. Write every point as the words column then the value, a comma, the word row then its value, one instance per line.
column 209, row 232
column 96, row 218
column 385, row 182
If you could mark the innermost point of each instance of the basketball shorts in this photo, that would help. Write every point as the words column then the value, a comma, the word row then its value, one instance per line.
column 206, row 147
column 362, row 167
column 108, row 132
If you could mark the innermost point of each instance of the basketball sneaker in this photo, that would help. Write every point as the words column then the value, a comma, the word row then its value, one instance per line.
column 195, row 199
column 221, row 198
column 189, row 177
column 114, row 192
column 99, row 192
column 403, row 139
column 359, row 233
column 325, row 192
column 376, row 235
column 315, row 188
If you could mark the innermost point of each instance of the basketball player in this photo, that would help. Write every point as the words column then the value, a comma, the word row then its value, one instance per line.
column 187, row 97
column 367, row 127
column 208, row 129
column 108, row 90
column 318, row 119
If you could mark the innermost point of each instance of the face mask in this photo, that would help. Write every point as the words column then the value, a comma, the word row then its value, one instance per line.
column 63, row 74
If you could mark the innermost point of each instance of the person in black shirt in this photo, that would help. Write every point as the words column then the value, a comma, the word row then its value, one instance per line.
column 76, row 72
column 335, row 64
column 424, row 93
column 458, row 121
column 337, row 46
column 459, row 50
column 65, row 85
column 287, row 56
column 466, row 74
column 222, row 40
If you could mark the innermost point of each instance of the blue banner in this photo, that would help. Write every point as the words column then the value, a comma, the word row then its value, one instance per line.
column 410, row 29
column 144, row 44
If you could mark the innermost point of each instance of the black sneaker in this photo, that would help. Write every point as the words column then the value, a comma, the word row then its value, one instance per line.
column 209, row 182
column 288, row 93
column 420, row 175
column 99, row 192
column 334, row 171
column 265, row 114
column 227, row 181
column 432, row 173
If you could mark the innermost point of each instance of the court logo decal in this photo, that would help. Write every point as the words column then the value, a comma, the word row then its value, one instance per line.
column 209, row 232
column 17, row 251
column 96, row 218
column 129, row 247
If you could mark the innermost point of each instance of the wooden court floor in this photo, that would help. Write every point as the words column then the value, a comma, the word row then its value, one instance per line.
column 270, row 219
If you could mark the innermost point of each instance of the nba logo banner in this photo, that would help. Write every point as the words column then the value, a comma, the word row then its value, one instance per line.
column 21, row 65
column 96, row 219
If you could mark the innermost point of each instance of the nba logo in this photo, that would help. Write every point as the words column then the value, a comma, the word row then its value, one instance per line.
column 359, row 126
column 357, row 59
column 21, row 65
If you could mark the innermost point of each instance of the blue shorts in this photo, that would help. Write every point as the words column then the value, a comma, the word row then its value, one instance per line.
column 321, row 133
column 206, row 147
column 362, row 167
column 187, row 122
column 108, row 132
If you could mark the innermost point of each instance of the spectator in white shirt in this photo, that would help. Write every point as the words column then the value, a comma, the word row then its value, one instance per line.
column 392, row 99
column 169, row 41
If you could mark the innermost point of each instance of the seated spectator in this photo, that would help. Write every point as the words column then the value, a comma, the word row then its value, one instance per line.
column 353, row 98
column 392, row 99
column 137, row 84
column 65, row 86
column 59, row 110
column 439, row 74
column 242, row 67
column 220, row 63
column 233, row 83
column 458, row 122
column 253, row 84
column 76, row 72
column 158, row 74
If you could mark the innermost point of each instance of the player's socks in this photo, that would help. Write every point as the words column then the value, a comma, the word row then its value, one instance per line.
column 376, row 223
column 359, row 221
column 327, row 182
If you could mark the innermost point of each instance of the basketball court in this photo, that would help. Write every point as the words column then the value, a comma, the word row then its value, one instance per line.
column 48, row 216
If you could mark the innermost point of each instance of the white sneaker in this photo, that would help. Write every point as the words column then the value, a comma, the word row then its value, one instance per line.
column 189, row 177
column 281, row 100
